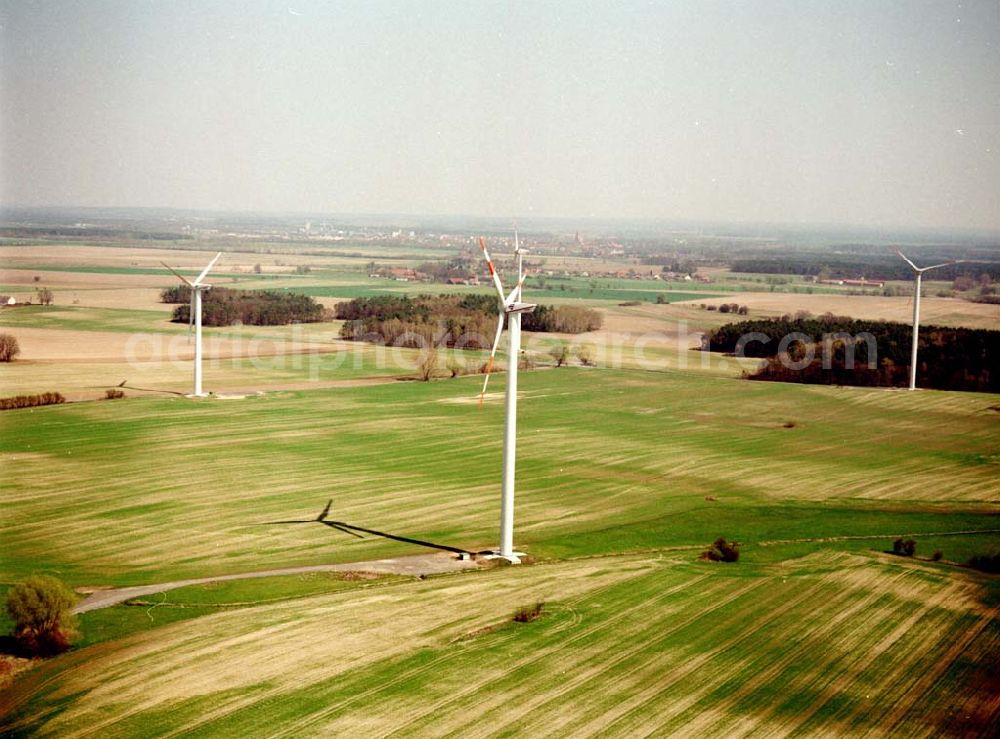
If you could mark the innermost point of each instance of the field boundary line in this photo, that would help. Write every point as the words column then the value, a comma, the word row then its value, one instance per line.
column 861, row 537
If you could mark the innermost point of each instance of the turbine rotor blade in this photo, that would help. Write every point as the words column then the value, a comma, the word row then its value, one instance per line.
column 205, row 271
column 493, row 353
column 493, row 271
column 904, row 258
column 921, row 270
column 935, row 266
column 515, row 294
column 178, row 274
column 520, row 262
column 520, row 274
column 191, row 315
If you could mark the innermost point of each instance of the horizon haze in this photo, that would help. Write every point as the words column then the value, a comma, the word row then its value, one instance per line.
column 856, row 114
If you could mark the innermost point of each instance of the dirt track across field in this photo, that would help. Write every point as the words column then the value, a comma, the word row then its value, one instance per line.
column 416, row 565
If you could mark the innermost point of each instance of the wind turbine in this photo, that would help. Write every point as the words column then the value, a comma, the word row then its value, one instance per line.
column 919, row 272
column 511, row 308
column 194, row 315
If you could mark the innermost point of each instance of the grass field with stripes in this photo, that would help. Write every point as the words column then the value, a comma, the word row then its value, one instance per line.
column 830, row 643
column 148, row 489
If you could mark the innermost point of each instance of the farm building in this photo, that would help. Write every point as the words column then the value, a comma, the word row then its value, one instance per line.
column 7, row 300
column 864, row 283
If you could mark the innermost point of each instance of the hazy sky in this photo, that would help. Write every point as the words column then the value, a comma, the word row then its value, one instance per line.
column 875, row 112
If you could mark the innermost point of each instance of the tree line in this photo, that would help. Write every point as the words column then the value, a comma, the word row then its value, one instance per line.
column 467, row 321
column 223, row 307
column 31, row 401
column 90, row 232
column 845, row 267
column 836, row 350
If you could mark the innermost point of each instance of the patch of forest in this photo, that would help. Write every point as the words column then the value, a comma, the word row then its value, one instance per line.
column 837, row 350
column 465, row 321
column 221, row 306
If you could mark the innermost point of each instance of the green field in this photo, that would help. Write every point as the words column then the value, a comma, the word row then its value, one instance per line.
column 77, row 318
column 171, row 488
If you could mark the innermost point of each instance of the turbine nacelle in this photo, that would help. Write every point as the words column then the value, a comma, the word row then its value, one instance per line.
column 520, row 307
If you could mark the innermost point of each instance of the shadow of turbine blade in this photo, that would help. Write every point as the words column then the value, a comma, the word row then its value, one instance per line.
column 326, row 511
column 349, row 528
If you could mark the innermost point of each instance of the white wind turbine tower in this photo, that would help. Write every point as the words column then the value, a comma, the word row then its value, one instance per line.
column 919, row 272
column 511, row 308
column 194, row 315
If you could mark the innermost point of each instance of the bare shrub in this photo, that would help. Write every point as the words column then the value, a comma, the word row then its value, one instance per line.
column 113, row 393
column 30, row 401
column 904, row 547
column 527, row 614
column 560, row 354
column 428, row 364
column 9, row 348
column 986, row 562
column 936, row 557
column 722, row 551
column 963, row 283
column 586, row 355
